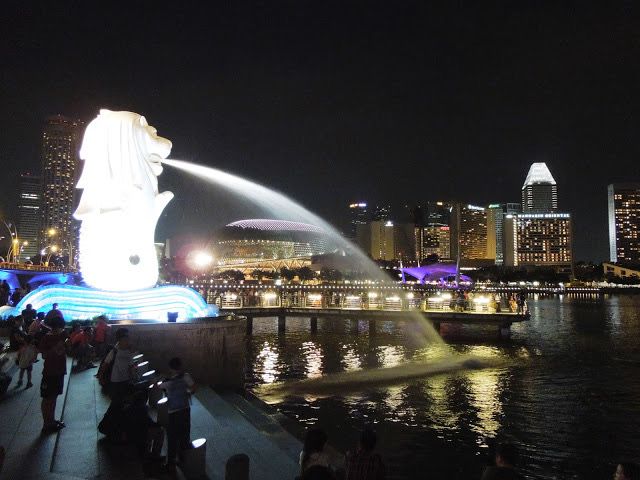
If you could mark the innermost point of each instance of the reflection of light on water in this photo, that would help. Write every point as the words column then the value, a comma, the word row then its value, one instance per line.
column 390, row 355
column 441, row 412
column 313, row 359
column 485, row 398
column 350, row 360
column 266, row 362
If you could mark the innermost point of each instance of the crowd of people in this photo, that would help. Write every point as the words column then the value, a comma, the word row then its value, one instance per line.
column 12, row 298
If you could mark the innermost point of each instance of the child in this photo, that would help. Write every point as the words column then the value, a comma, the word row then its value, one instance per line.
column 26, row 358
column 178, row 387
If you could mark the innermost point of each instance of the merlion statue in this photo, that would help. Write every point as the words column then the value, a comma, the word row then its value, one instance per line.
column 120, row 203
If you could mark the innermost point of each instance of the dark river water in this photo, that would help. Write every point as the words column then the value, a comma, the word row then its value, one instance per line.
column 567, row 391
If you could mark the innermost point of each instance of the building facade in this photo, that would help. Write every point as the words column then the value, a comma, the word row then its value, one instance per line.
column 60, row 162
column 433, row 240
column 29, row 215
column 539, row 240
column 539, row 191
column 358, row 215
column 624, row 222
column 469, row 232
column 495, row 229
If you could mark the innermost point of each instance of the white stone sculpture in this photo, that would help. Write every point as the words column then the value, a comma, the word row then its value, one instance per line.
column 120, row 203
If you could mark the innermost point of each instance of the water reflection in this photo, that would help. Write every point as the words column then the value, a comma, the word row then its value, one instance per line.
column 313, row 359
column 350, row 359
column 563, row 389
column 267, row 363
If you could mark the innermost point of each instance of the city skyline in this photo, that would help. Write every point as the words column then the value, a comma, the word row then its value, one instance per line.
column 434, row 103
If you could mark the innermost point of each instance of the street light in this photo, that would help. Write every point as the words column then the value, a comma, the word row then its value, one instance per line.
column 52, row 232
column 13, row 234
column 52, row 249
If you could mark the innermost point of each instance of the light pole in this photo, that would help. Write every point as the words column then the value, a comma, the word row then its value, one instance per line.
column 13, row 234
column 52, row 232
column 52, row 249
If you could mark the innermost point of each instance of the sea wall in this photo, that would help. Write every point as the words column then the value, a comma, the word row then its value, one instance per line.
column 212, row 349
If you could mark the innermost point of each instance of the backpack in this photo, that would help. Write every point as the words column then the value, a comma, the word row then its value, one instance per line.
column 106, row 367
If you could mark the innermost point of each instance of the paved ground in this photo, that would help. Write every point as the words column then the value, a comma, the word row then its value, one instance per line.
column 230, row 424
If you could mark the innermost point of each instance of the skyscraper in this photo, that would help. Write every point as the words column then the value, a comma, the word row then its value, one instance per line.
column 29, row 214
column 539, row 192
column 624, row 222
column 495, row 229
column 357, row 216
column 469, row 233
column 60, row 146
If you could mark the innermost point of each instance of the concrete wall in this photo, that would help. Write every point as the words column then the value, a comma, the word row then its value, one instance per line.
column 212, row 350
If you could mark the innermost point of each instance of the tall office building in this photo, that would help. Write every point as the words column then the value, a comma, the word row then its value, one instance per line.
column 433, row 240
column 357, row 216
column 539, row 240
column 495, row 229
column 469, row 234
column 60, row 147
column 386, row 240
column 29, row 214
column 624, row 222
column 539, row 192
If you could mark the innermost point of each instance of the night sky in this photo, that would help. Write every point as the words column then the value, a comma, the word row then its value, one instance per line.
column 330, row 102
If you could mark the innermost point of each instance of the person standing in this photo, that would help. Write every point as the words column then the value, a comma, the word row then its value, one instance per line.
column 55, row 368
column 28, row 316
column 54, row 313
column 121, row 373
column 17, row 336
column 179, row 387
column 100, row 336
column 26, row 358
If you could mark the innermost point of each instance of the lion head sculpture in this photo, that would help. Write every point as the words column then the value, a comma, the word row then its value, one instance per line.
column 120, row 202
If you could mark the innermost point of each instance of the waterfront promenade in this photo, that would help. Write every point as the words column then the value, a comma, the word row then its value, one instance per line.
column 230, row 424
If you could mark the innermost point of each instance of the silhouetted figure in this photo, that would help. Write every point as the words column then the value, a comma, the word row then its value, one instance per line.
column 312, row 451
column 506, row 459
column 179, row 388
column 55, row 368
column 4, row 293
column 28, row 315
column 627, row 471
column 237, row 467
column 54, row 313
column 365, row 464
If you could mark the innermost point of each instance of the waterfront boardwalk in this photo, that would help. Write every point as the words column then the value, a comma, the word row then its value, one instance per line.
column 230, row 424
column 502, row 320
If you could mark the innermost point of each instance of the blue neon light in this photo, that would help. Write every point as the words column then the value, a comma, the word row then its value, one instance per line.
column 78, row 303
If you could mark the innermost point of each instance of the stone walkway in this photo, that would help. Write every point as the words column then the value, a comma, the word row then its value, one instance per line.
column 229, row 423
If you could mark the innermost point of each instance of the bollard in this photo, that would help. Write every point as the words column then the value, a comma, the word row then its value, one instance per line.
column 155, row 394
column 237, row 467
column 194, row 460
column 139, row 369
column 148, row 376
column 162, row 407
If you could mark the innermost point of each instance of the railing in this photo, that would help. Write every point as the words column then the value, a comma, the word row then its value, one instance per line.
column 33, row 268
column 371, row 301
